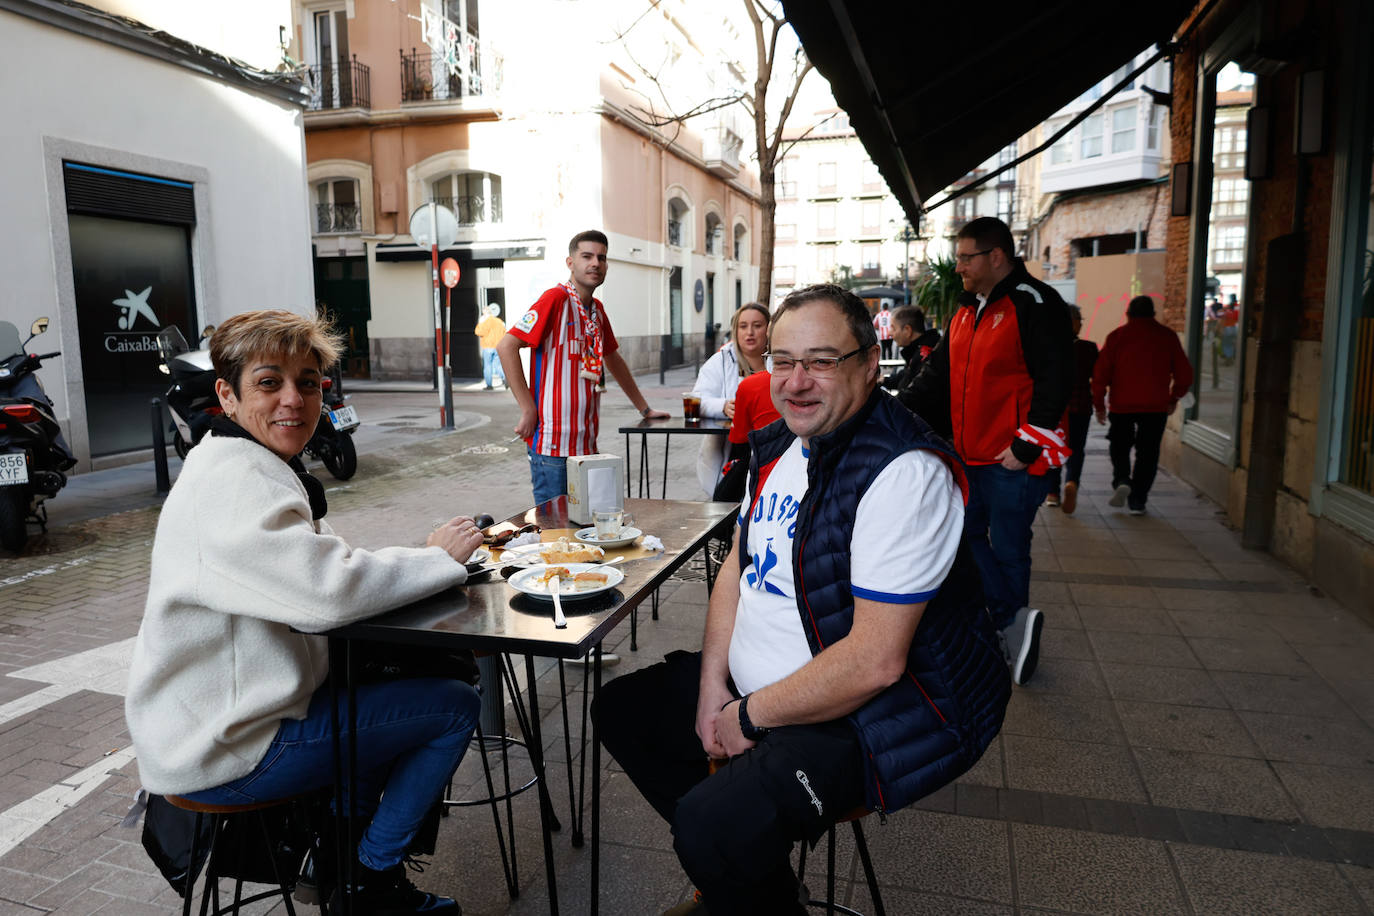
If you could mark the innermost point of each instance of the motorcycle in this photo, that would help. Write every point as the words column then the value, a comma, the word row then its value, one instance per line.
column 192, row 402
column 332, row 442
column 33, row 454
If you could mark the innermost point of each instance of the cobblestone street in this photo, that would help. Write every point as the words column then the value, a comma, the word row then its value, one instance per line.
column 1197, row 740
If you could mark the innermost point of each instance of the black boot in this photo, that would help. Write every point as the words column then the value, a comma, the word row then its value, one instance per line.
column 389, row 893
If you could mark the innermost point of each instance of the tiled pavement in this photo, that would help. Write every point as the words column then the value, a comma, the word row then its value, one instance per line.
column 1197, row 740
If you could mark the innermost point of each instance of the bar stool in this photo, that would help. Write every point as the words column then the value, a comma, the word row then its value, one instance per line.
column 219, row 815
column 829, row 903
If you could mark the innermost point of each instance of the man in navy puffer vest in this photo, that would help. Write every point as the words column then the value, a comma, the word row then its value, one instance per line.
column 848, row 660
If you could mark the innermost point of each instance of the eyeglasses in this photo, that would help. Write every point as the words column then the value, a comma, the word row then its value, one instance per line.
column 969, row 256
column 815, row 366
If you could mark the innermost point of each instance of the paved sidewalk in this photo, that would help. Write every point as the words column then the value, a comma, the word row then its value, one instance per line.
column 1197, row 739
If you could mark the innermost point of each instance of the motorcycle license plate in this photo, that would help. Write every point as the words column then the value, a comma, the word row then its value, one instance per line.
column 14, row 469
column 344, row 418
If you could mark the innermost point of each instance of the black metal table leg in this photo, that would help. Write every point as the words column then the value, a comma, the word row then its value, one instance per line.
column 667, row 441
column 545, row 802
column 596, row 786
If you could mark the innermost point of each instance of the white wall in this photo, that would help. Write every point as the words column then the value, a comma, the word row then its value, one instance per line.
column 98, row 104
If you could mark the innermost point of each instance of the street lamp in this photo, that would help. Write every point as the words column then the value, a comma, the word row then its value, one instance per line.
column 907, row 235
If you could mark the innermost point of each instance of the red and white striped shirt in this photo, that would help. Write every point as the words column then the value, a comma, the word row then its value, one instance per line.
column 560, row 329
column 883, row 322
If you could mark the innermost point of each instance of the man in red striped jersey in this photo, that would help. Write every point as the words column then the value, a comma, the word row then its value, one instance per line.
column 572, row 340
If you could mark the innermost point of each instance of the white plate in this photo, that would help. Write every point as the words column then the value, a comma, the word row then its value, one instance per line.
column 526, row 581
column 524, row 555
column 627, row 536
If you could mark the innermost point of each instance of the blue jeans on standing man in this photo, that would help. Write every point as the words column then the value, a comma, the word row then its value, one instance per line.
column 997, row 520
column 549, row 475
column 411, row 736
column 491, row 367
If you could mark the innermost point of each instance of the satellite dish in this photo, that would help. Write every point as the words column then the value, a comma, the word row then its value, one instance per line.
column 421, row 228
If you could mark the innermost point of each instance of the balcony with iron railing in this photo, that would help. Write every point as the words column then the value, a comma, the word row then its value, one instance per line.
column 472, row 71
column 343, row 84
column 337, row 218
column 473, row 209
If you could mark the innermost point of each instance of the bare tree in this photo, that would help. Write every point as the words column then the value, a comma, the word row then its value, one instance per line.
column 769, row 145
column 768, row 141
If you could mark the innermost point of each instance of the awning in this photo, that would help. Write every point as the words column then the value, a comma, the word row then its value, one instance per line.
column 517, row 250
column 935, row 89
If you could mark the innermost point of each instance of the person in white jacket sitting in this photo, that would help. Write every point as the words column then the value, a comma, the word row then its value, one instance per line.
column 742, row 355
column 225, row 703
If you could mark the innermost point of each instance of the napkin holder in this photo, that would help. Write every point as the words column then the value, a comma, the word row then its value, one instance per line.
column 594, row 481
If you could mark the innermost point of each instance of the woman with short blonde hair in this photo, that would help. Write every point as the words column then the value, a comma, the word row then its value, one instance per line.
column 226, row 703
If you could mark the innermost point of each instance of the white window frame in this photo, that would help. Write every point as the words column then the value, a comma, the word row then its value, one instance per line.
column 1123, row 138
column 1090, row 132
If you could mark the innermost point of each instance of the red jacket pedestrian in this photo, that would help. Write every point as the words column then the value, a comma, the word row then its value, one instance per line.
column 1145, row 367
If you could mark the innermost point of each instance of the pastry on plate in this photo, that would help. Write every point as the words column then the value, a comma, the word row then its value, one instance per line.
column 566, row 551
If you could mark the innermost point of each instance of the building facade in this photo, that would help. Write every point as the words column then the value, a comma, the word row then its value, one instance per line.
column 154, row 177
column 485, row 109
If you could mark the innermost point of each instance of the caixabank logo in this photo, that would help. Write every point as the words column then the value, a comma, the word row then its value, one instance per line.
column 133, row 307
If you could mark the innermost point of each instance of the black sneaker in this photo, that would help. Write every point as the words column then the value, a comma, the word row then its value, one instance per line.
column 390, row 893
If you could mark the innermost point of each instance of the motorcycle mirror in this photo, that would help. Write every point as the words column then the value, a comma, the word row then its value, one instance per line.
column 38, row 327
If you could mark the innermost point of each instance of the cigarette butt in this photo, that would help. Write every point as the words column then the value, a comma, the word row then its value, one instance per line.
column 110, row 751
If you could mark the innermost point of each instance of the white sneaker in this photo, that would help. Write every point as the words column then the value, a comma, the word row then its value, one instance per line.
column 1023, row 643
column 1119, row 495
column 608, row 659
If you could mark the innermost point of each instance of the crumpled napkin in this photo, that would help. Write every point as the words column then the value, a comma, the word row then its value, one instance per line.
column 529, row 537
column 649, row 542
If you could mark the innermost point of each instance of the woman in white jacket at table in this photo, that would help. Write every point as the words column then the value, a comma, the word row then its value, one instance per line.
column 741, row 355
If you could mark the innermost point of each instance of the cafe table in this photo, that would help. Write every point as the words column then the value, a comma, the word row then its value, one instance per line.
column 667, row 428
column 489, row 615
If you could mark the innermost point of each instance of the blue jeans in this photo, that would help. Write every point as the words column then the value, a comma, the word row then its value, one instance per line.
column 411, row 737
column 1078, row 440
column 491, row 367
column 549, row 475
column 997, row 520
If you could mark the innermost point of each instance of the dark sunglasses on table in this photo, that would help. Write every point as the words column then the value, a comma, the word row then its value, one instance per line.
column 782, row 366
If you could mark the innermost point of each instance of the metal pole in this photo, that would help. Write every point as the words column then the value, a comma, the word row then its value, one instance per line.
column 440, row 357
column 906, row 263
column 164, row 484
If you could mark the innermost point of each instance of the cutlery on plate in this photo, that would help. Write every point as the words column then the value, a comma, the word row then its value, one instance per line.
column 555, row 585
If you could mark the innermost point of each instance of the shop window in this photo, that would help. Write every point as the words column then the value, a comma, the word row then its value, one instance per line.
column 1218, row 328
column 1357, row 454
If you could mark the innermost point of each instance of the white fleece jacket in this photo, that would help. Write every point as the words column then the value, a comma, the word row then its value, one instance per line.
column 237, row 562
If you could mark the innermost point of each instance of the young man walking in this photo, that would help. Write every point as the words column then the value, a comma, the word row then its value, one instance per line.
column 1002, row 372
column 560, row 406
column 489, row 332
column 1142, row 372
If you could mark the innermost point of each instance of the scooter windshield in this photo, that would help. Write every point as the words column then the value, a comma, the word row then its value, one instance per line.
column 170, row 342
column 10, row 344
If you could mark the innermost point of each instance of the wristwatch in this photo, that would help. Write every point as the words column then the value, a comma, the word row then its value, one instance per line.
column 747, row 728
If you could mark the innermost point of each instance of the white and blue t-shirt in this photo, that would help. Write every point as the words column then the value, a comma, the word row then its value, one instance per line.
column 906, row 535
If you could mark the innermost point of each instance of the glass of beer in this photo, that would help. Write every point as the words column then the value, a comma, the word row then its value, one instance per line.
column 691, row 406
